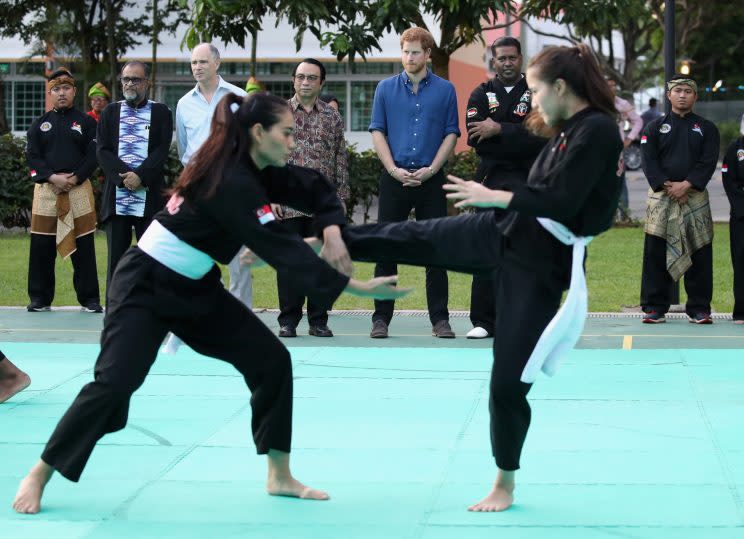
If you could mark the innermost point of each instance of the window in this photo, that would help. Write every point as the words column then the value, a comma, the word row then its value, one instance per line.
column 25, row 102
column 281, row 88
column 170, row 95
column 337, row 88
column 374, row 68
column 362, row 94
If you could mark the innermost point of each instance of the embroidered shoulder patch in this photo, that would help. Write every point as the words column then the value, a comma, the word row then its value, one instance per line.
column 740, row 155
column 46, row 126
column 644, row 139
column 265, row 215
column 472, row 112
column 521, row 109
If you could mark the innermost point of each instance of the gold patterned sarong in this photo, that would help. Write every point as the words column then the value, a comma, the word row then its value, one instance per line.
column 67, row 216
column 685, row 227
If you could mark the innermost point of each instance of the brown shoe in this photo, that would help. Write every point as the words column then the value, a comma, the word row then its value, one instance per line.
column 443, row 330
column 379, row 330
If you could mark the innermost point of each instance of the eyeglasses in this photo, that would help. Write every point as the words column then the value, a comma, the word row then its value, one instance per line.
column 131, row 80
column 309, row 78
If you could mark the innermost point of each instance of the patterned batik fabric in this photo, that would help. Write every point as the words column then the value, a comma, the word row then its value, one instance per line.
column 685, row 227
column 134, row 136
column 320, row 145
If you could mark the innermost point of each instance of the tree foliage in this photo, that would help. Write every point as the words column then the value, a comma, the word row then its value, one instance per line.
column 77, row 29
column 351, row 28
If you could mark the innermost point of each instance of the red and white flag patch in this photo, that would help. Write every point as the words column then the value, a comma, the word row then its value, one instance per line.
column 724, row 168
column 33, row 173
column 265, row 215
column 472, row 112
column 644, row 139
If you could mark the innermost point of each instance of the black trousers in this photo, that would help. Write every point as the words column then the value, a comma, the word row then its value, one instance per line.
column 736, row 229
column 146, row 301
column 119, row 239
column 41, row 279
column 656, row 283
column 529, row 300
column 395, row 204
column 482, row 307
column 290, row 302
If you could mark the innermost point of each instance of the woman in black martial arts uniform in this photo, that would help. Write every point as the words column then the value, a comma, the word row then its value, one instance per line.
column 574, row 182
column 169, row 282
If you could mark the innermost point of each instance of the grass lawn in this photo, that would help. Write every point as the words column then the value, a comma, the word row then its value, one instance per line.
column 614, row 275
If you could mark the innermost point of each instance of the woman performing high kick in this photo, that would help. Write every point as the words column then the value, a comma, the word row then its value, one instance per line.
column 169, row 282
column 571, row 194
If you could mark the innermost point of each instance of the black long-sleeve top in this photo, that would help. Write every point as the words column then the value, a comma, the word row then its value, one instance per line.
column 62, row 141
column 150, row 171
column 733, row 177
column 677, row 148
column 239, row 214
column 575, row 181
column 515, row 147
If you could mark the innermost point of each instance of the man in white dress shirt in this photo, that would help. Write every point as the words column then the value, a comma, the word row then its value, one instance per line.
column 193, row 119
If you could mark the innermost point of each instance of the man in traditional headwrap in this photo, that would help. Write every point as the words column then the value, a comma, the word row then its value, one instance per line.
column 99, row 97
column 61, row 155
column 680, row 153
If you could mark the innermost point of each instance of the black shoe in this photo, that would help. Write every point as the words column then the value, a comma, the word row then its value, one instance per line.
column 287, row 331
column 442, row 330
column 379, row 330
column 320, row 331
column 38, row 308
column 92, row 308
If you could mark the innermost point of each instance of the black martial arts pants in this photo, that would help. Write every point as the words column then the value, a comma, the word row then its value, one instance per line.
column 482, row 308
column 526, row 302
column 41, row 279
column 395, row 204
column 146, row 301
column 656, row 283
column 119, row 239
column 736, row 229
column 290, row 302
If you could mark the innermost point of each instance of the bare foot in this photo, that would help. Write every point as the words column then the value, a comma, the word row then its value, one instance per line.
column 293, row 488
column 28, row 497
column 12, row 385
column 500, row 498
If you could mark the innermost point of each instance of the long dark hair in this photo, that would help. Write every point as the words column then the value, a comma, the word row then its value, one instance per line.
column 577, row 66
column 229, row 138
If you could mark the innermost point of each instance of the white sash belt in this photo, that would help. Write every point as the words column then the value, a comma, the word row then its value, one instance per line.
column 177, row 255
column 174, row 253
column 564, row 330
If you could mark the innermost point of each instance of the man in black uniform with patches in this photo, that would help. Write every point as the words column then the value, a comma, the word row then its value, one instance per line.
column 496, row 110
column 680, row 153
column 61, row 155
column 732, row 173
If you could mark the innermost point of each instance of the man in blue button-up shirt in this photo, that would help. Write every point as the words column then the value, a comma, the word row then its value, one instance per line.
column 193, row 121
column 414, row 129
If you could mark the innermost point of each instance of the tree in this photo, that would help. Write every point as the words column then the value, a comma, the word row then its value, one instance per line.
column 94, row 32
column 350, row 29
column 713, row 39
column 709, row 31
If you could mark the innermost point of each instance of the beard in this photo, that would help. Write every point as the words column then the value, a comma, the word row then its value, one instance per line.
column 132, row 98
